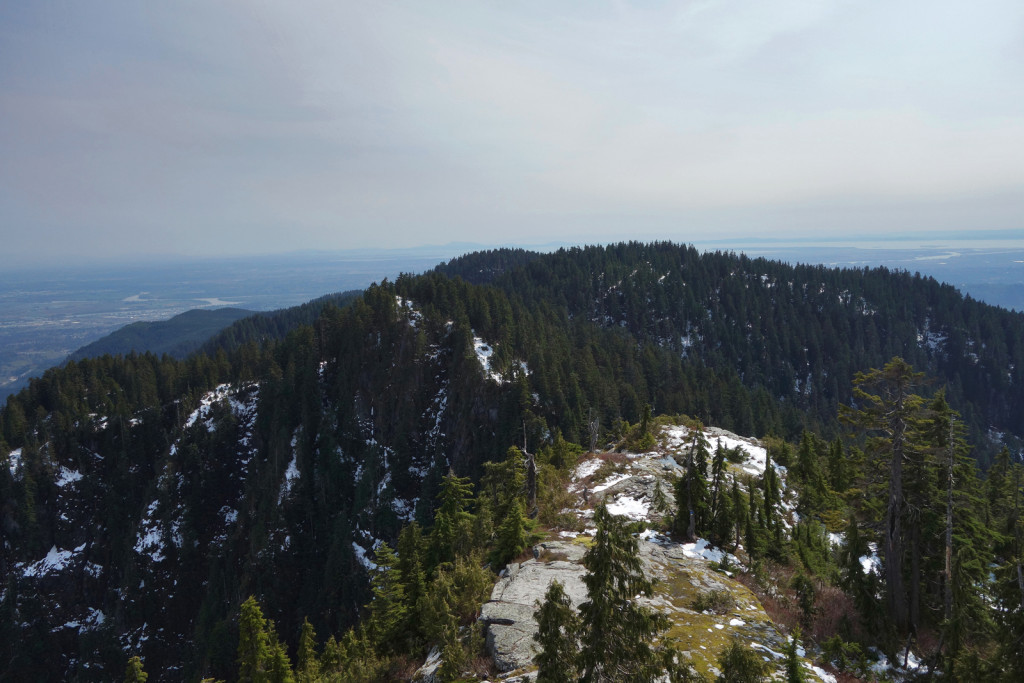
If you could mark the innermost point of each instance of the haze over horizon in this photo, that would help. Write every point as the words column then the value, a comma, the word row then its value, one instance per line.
column 231, row 129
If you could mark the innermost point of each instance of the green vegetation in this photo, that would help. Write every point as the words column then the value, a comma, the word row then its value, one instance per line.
column 614, row 638
column 179, row 336
column 369, row 433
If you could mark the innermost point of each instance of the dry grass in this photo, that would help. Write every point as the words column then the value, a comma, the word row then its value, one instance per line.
column 548, row 556
column 614, row 458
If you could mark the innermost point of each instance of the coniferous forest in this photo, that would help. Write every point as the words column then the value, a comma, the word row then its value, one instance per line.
column 328, row 493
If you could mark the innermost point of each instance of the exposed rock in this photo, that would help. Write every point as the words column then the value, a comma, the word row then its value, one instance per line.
column 428, row 672
column 509, row 613
column 685, row 575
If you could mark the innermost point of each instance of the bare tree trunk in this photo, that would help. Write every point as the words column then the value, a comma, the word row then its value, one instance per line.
column 595, row 425
column 915, row 574
column 531, row 485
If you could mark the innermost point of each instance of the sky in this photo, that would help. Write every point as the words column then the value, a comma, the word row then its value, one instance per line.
column 132, row 129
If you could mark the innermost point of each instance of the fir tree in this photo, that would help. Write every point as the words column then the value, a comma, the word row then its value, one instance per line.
column 134, row 672
column 453, row 522
column 618, row 632
column 692, row 487
column 558, row 637
column 892, row 413
column 412, row 573
column 513, row 536
column 718, row 468
column 739, row 664
column 279, row 667
column 307, row 666
column 389, row 608
column 254, row 651
column 795, row 672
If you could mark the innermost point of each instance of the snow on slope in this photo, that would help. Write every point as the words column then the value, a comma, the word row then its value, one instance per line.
column 639, row 486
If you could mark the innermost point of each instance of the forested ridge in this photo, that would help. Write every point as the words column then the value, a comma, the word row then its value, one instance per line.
column 800, row 332
column 145, row 498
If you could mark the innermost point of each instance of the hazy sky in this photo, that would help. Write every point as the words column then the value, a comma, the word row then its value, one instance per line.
column 239, row 127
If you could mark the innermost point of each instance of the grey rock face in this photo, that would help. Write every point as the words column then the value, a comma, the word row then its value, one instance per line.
column 509, row 613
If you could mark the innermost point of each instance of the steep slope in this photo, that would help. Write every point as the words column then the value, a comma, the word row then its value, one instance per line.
column 143, row 499
column 695, row 583
column 178, row 336
column 798, row 332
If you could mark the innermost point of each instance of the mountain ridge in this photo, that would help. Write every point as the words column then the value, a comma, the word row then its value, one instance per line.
column 158, row 493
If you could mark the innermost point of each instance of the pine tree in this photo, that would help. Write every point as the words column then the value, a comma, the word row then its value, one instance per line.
column 453, row 523
column 413, row 575
column 718, row 467
column 279, row 667
column 794, row 667
column 253, row 643
column 618, row 632
column 967, row 541
column 838, row 467
column 692, row 487
column 739, row 510
column 513, row 536
column 739, row 664
column 307, row 667
column 558, row 637
column 893, row 413
column 389, row 608
column 134, row 672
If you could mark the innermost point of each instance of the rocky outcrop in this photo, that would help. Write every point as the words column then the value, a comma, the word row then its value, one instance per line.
column 693, row 585
column 509, row 613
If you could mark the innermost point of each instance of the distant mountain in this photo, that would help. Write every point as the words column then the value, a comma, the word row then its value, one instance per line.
column 179, row 336
column 143, row 498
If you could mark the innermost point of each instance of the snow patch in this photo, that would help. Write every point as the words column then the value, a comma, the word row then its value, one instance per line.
column 55, row 561
column 66, row 477
column 871, row 562
column 14, row 462
column 611, row 481
column 363, row 559
column 413, row 316
column 484, row 351
column 701, row 549
column 291, row 475
column 150, row 540
column 679, row 437
column 586, row 468
column 627, row 506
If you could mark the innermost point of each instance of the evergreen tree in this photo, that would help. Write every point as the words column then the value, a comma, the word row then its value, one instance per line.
column 692, row 488
column 453, row 522
column 558, row 637
column 412, row 574
column 618, row 632
column 307, row 667
column 795, row 672
column 254, row 651
column 389, row 608
column 838, row 467
column 739, row 664
column 279, row 667
column 134, row 672
column 891, row 413
column 513, row 536
column 718, row 469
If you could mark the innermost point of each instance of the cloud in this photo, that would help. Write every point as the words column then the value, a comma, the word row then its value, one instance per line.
column 236, row 126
